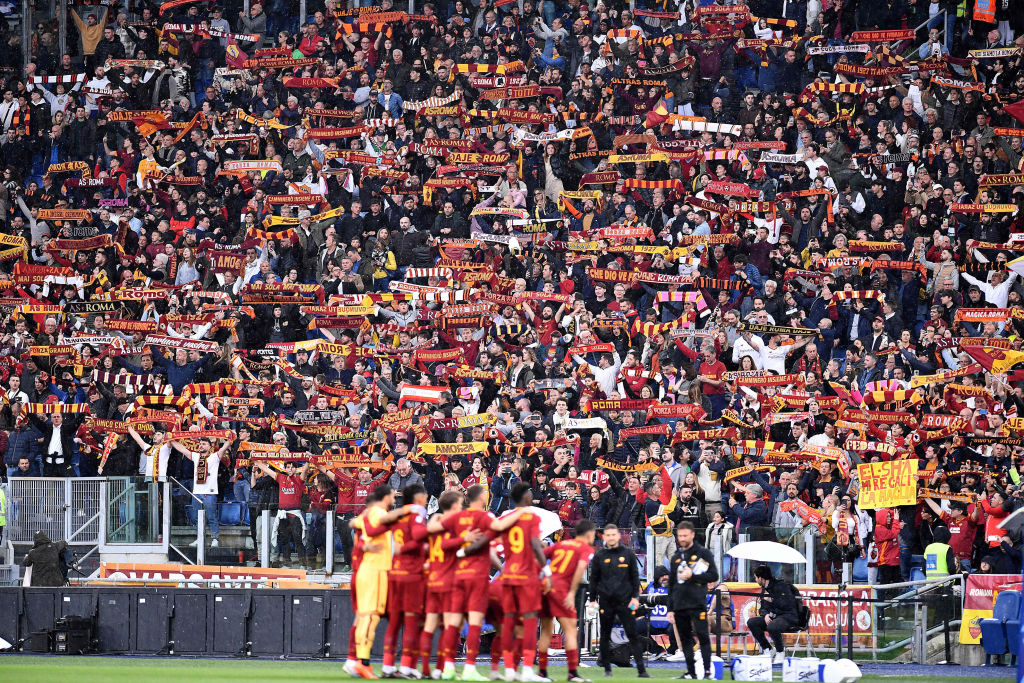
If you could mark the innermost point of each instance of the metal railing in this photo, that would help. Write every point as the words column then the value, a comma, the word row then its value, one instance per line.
column 941, row 22
column 802, row 539
column 904, row 622
column 200, row 526
column 65, row 509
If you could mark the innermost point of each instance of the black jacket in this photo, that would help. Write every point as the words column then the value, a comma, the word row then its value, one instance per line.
column 614, row 574
column 779, row 599
column 68, row 429
column 628, row 512
column 45, row 560
column 408, row 245
column 692, row 593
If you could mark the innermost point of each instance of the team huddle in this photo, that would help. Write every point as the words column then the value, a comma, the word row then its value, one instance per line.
column 398, row 551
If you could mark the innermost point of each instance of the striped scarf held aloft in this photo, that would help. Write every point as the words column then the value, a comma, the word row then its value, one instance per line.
column 54, row 80
column 124, row 380
column 854, row 294
column 56, row 408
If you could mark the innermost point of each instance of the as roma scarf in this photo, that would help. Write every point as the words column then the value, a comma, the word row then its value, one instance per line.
column 310, row 82
column 64, row 214
column 69, row 167
column 731, row 189
column 619, row 404
column 647, row 430
column 466, row 448
column 687, row 411
column 668, row 69
column 760, row 378
column 612, row 275
column 243, row 167
column 846, row 296
column 280, row 63
column 88, row 243
column 745, row 470
column 1001, row 179
column 463, row 68
column 57, row 408
column 777, row 329
column 171, row 4
column 885, row 36
column 622, row 467
column 704, row 434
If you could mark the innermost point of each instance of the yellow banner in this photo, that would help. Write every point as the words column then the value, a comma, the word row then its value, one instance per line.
column 887, row 484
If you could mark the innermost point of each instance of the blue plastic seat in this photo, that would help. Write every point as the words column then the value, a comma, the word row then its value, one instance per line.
column 230, row 514
column 1012, row 630
column 917, row 574
column 993, row 631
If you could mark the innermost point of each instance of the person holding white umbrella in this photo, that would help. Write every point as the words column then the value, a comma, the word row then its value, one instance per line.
column 778, row 613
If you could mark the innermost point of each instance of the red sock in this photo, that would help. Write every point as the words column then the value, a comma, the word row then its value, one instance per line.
column 426, row 641
column 352, row 642
column 573, row 659
column 472, row 644
column 496, row 651
column 410, row 640
column 508, row 636
column 529, row 640
column 542, row 660
column 446, row 650
column 517, row 651
column 391, row 637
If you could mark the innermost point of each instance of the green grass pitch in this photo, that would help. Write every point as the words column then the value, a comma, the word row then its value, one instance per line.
column 151, row 670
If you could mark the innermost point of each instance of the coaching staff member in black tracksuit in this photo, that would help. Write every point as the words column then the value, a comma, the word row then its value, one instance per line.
column 692, row 568
column 615, row 584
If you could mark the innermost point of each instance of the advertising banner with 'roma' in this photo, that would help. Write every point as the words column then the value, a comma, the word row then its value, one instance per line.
column 979, row 598
column 823, row 612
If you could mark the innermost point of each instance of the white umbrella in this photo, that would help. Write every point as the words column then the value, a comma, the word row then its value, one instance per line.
column 549, row 521
column 767, row 551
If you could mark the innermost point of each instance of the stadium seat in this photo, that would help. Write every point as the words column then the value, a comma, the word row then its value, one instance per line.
column 230, row 514
column 993, row 631
column 917, row 574
column 1012, row 630
column 860, row 570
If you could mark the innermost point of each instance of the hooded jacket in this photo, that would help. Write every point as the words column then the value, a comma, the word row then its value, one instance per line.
column 45, row 560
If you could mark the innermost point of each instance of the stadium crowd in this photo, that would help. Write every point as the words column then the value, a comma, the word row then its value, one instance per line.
column 664, row 265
